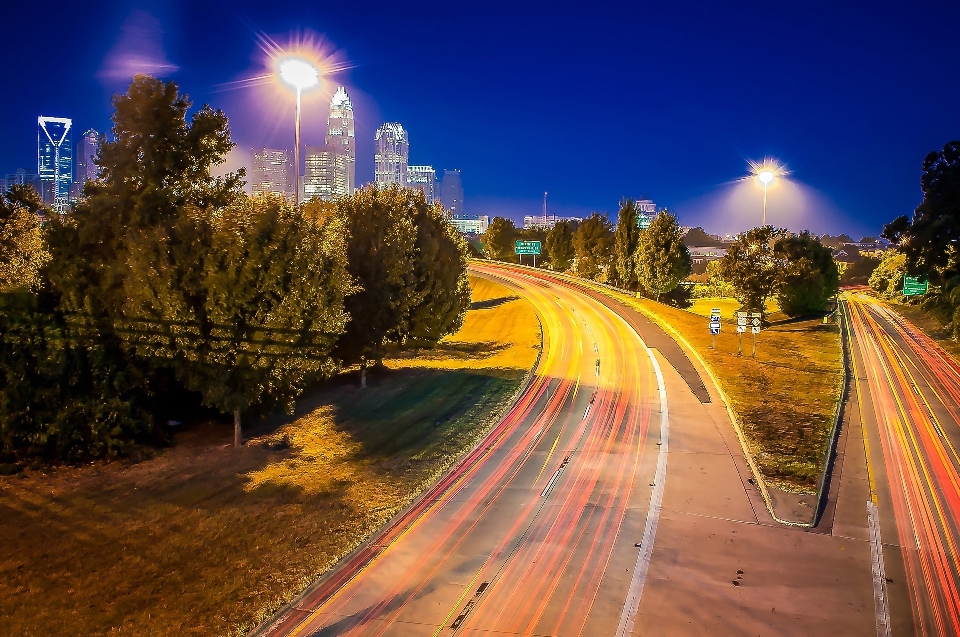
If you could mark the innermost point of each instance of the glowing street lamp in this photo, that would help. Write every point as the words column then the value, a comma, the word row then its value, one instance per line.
column 301, row 75
column 766, row 172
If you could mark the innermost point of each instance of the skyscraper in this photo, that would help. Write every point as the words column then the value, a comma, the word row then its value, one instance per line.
column 424, row 178
column 393, row 155
column 87, row 150
column 272, row 171
column 55, row 159
column 340, row 134
column 451, row 192
column 325, row 173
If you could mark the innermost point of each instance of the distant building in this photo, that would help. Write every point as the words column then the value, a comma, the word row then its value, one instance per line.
column 700, row 257
column 451, row 193
column 470, row 224
column 87, row 151
column 325, row 173
column 341, row 135
column 424, row 178
column 55, row 159
column 847, row 253
column 22, row 178
column 392, row 156
column 646, row 212
column 272, row 172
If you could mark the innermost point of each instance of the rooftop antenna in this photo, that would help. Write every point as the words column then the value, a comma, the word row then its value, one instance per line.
column 544, row 206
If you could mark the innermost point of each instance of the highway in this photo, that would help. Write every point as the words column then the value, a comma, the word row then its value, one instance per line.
column 526, row 535
column 909, row 393
column 612, row 499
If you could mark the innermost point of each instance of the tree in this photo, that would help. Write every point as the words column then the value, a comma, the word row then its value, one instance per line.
column 626, row 238
column 592, row 244
column 751, row 267
column 559, row 244
column 929, row 240
column 499, row 241
column 858, row 272
column 662, row 261
column 714, row 285
column 23, row 251
column 440, row 271
column 810, row 275
column 887, row 278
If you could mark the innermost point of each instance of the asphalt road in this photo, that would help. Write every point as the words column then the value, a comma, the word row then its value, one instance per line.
column 613, row 499
column 909, row 393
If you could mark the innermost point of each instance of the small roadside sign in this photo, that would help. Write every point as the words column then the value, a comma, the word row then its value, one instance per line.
column 755, row 330
column 742, row 320
column 714, row 327
column 915, row 285
column 741, row 329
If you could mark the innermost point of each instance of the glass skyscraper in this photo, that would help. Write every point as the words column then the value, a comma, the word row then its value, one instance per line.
column 341, row 136
column 424, row 178
column 55, row 159
column 451, row 192
column 272, row 171
column 325, row 173
column 393, row 155
column 87, row 150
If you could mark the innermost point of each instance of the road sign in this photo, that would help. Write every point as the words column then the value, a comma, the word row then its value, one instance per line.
column 755, row 330
column 527, row 247
column 715, row 312
column 755, row 321
column 742, row 320
column 915, row 285
column 714, row 327
column 741, row 329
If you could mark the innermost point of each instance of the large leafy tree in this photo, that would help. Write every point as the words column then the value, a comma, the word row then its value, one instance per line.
column 626, row 239
column 593, row 246
column 440, row 270
column 662, row 261
column 559, row 243
column 929, row 239
column 751, row 266
column 23, row 251
column 499, row 241
column 810, row 275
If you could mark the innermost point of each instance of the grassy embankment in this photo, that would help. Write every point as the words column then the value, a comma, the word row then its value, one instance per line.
column 207, row 540
column 785, row 399
column 929, row 325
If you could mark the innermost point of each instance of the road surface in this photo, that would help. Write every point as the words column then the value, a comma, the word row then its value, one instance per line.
column 910, row 404
column 612, row 499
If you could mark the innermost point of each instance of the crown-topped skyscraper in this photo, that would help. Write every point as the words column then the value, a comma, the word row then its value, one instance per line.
column 341, row 136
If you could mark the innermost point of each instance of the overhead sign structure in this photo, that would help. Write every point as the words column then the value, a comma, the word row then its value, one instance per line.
column 527, row 247
column 915, row 285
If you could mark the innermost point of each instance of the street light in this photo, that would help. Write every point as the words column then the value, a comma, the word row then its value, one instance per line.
column 766, row 172
column 301, row 75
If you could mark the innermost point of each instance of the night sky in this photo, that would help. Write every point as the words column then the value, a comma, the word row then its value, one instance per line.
column 592, row 102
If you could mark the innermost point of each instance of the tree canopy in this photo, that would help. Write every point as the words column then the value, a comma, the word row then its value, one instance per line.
column 23, row 251
column 626, row 239
column 809, row 277
column 592, row 244
column 499, row 241
column 752, row 267
column 559, row 244
column 662, row 261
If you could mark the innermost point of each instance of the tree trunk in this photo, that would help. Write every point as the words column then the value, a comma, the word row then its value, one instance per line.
column 237, row 437
column 363, row 378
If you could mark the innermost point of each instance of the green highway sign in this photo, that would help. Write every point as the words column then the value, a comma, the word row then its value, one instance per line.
column 527, row 247
column 915, row 285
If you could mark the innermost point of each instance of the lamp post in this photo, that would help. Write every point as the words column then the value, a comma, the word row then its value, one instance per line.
column 301, row 75
column 765, row 177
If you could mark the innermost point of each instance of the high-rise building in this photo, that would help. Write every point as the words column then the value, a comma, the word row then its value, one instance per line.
column 22, row 178
column 451, row 193
column 424, row 178
column 340, row 134
column 55, row 158
column 88, row 148
column 393, row 155
column 325, row 173
column 272, row 171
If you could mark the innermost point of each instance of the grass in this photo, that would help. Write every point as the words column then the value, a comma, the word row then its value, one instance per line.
column 929, row 325
column 204, row 539
column 785, row 398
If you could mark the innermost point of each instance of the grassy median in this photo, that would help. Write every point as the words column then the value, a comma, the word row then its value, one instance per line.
column 785, row 398
column 204, row 539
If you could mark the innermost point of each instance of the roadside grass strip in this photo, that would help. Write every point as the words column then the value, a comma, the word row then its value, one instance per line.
column 204, row 539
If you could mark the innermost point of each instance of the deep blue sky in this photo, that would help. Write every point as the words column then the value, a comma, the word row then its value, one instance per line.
column 590, row 102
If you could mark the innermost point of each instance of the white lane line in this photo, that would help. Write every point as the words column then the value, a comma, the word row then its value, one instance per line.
column 550, row 484
column 879, row 577
column 630, row 605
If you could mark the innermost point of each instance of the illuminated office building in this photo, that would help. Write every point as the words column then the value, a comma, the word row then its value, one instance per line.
column 87, row 150
column 325, row 173
column 340, row 135
column 424, row 178
column 272, row 172
column 55, row 159
column 393, row 155
column 22, row 178
column 451, row 193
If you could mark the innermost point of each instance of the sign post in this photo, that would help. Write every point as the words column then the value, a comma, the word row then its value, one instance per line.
column 714, row 325
column 915, row 285
column 527, row 247
column 755, row 329
column 741, row 328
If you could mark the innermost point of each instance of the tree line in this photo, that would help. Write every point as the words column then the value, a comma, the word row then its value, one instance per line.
column 764, row 263
column 168, row 286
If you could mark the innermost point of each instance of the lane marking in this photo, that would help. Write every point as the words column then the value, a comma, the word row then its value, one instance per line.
column 879, row 577
column 642, row 567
